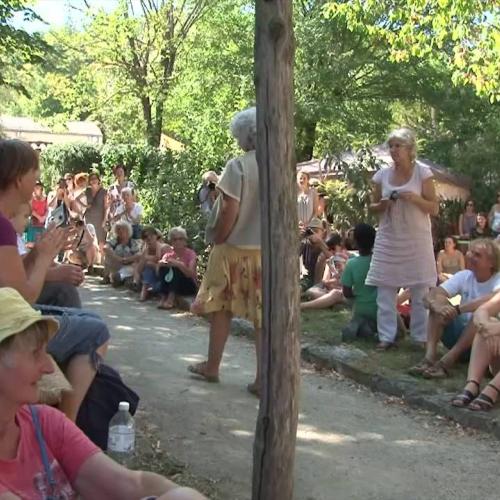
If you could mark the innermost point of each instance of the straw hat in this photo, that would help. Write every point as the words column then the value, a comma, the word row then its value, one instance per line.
column 17, row 315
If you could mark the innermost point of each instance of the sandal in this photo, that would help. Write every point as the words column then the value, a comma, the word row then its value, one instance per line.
column 483, row 402
column 419, row 369
column 254, row 389
column 465, row 397
column 199, row 370
column 437, row 371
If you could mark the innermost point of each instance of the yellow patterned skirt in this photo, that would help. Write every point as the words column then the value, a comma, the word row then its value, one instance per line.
column 232, row 283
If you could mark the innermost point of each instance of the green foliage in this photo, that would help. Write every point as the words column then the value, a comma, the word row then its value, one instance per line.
column 17, row 46
column 348, row 198
column 58, row 159
column 446, row 223
column 463, row 34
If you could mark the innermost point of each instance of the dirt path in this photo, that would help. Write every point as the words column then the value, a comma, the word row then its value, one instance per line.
column 351, row 444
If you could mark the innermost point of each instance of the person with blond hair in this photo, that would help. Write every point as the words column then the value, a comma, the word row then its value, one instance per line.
column 452, row 324
column 42, row 453
column 403, row 256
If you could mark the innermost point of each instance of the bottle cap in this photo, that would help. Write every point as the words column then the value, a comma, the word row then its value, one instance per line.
column 124, row 406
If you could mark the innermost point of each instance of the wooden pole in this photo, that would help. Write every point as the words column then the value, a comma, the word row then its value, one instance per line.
column 274, row 447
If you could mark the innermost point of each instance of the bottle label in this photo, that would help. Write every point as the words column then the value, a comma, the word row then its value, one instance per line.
column 121, row 439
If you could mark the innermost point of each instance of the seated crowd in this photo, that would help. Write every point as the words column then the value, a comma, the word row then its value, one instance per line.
column 462, row 306
column 43, row 328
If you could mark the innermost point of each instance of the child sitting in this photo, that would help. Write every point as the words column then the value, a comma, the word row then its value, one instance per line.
column 85, row 248
column 364, row 310
column 328, row 292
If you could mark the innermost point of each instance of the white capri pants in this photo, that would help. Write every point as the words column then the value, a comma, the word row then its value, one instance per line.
column 387, row 314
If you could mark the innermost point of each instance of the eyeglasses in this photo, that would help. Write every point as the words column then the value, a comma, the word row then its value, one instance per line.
column 68, row 178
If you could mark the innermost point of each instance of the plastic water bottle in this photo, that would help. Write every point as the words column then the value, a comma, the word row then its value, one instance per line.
column 121, row 435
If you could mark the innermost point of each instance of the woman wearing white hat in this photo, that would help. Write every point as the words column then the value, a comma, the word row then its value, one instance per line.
column 42, row 453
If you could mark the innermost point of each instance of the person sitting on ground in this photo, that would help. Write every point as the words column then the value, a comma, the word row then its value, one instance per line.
column 329, row 289
column 61, row 280
column 130, row 211
column 485, row 355
column 467, row 220
column 450, row 260
column 84, row 250
column 42, row 453
column 482, row 229
column 39, row 211
column 177, row 270
column 82, row 338
column 452, row 325
column 146, row 269
column 364, row 309
column 311, row 247
column 121, row 253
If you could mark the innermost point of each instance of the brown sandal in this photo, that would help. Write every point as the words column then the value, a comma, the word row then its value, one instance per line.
column 437, row 371
column 419, row 369
column 199, row 370
column 465, row 397
column 483, row 402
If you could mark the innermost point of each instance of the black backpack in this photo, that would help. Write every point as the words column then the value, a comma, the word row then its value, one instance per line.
column 101, row 403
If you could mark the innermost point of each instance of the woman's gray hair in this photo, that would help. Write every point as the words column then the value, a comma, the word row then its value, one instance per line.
column 408, row 137
column 177, row 232
column 127, row 190
column 244, row 128
column 124, row 225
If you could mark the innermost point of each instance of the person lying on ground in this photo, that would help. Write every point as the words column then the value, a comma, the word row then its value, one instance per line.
column 485, row 355
column 364, row 297
column 121, row 253
column 75, row 466
column 82, row 338
column 453, row 325
column 146, row 269
column 450, row 260
column 61, row 280
column 177, row 270
column 328, row 291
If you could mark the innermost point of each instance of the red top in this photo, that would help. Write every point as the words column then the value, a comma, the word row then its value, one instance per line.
column 40, row 208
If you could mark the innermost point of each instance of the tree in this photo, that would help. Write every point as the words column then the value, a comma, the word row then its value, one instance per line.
column 17, row 46
column 139, row 50
column 464, row 34
column 275, row 436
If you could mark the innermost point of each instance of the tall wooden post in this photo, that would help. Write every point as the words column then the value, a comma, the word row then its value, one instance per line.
column 274, row 448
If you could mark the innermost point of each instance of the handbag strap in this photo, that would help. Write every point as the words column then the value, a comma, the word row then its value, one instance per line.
column 43, row 450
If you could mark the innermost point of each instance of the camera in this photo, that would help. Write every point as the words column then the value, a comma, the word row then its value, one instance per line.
column 211, row 186
column 394, row 195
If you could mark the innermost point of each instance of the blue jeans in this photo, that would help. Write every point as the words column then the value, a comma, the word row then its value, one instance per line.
column 453, row 331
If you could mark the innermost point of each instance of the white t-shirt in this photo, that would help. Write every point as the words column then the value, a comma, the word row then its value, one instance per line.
column 464, row 283
column 134, row 217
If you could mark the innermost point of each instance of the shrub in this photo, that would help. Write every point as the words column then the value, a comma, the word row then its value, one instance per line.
column 75, row 157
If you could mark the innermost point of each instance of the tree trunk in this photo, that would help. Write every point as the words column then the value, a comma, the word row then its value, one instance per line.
column 274, row 447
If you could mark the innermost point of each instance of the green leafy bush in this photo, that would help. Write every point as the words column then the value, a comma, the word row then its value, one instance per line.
column 58, row 159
